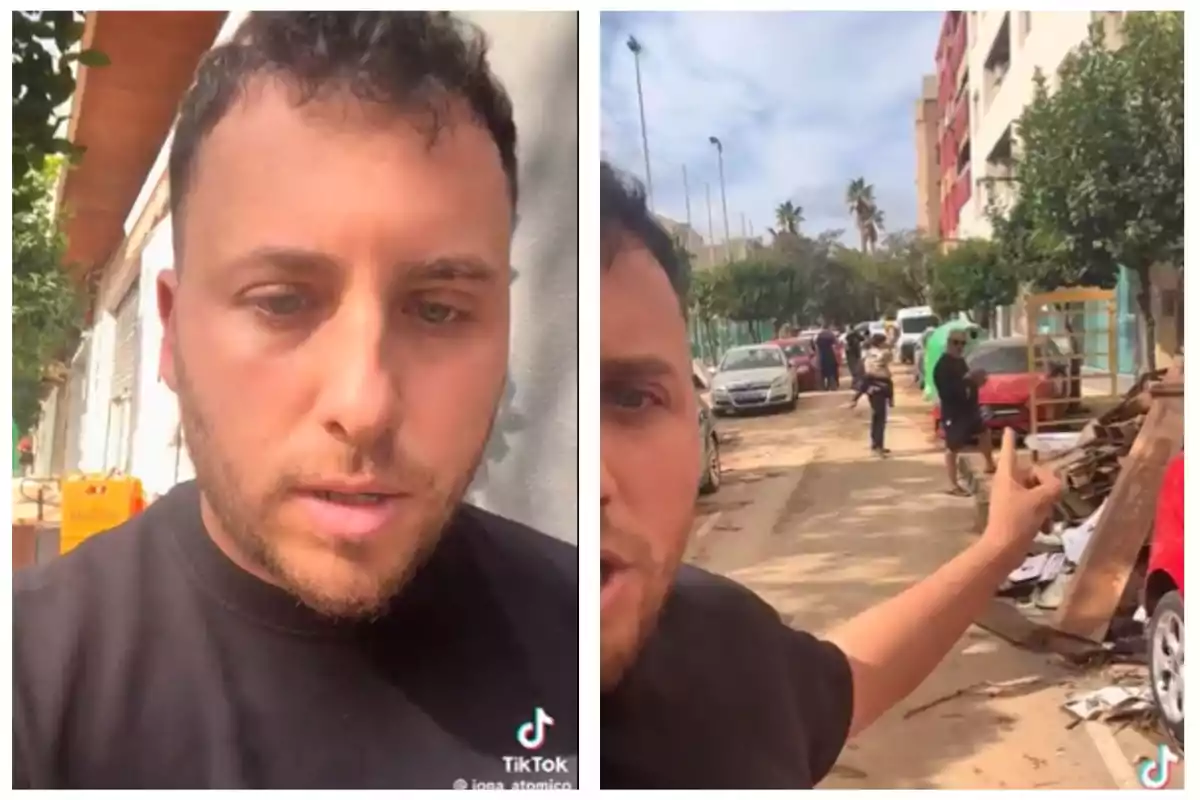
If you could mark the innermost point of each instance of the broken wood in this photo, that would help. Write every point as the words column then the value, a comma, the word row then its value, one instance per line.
column 1126, row 522
column 1005, row 620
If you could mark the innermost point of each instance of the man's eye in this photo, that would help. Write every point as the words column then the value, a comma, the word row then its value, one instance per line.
column 437, row 313
column 281, row 305
column 631, row 399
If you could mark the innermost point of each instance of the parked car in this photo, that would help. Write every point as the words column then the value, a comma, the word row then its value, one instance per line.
column 756, row 376
column 1011, row 381
column 710, row 476
column 801, row 353
column 1162, row 599
column 912, row 322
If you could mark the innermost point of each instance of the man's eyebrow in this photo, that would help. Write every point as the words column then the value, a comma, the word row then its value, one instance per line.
column 635, row 368
column 303, row 261
column 457, row 268
column 287, row 259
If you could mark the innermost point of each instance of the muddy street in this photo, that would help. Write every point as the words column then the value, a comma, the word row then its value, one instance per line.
column 822, row 530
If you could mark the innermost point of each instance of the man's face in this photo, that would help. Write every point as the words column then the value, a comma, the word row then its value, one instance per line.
column 956, row 344
column 337, row 333
column 650, row 451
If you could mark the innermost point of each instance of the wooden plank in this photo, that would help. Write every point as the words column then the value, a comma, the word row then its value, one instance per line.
column 1005, row 620
column 1094, row 593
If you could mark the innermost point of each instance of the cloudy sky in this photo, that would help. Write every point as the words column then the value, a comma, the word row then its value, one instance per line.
column 803, row 102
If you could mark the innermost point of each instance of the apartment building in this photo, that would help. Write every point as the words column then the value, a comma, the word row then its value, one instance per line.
column 986, row 62
column 929, row 200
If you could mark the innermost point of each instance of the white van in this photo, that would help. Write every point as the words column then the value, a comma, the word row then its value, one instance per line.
column 913, row 322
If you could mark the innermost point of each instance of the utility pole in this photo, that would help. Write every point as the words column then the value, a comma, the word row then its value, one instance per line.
column 687, row 197
column 712, row 240
column 724, row 205
column 635, row 47
column 745, row 239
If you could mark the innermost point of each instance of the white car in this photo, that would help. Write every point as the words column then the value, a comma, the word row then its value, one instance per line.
column 750, row 377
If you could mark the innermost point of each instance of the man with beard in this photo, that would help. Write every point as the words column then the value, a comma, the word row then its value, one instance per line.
column 318, row 609
column 703, row 686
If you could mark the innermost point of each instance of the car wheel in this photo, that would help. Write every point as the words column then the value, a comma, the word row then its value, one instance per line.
column 712, row 468
column 1164, row 637
column 791, row 406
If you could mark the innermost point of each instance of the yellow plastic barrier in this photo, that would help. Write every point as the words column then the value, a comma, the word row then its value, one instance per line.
column 92, row 504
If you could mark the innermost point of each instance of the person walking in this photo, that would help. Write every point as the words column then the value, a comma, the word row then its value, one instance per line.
column 827, row 356
column 854, row 356
column 958, row 394
column 880, row 391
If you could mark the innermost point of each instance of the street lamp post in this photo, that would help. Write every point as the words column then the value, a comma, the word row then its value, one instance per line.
column 724, row 206
column 635, row 47
column 712, row 237
column 687, row 197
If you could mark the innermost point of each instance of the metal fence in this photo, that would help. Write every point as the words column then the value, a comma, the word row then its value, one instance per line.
column 711, row 337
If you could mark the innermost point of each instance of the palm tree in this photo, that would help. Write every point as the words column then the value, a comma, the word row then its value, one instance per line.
column 789, row 216
column 868, row 218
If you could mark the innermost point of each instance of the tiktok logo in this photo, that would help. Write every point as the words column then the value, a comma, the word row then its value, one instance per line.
column 532, row 735
column 1155, row 773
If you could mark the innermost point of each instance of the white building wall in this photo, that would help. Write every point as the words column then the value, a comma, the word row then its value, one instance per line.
column 530, row 470
column 158, row 457
column 1050, row 37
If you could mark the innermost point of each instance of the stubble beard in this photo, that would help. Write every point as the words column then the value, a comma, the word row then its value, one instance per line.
column 244, row 527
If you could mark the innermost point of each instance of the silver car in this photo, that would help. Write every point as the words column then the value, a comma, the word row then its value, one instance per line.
column 753, row 377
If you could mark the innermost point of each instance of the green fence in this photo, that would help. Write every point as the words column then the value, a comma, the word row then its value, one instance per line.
column 712, row 337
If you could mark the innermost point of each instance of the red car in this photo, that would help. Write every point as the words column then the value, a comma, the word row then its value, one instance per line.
column 1004, row 395
column 801, row 352
column 1162, row 598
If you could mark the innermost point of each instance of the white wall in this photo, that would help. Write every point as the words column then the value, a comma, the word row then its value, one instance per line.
column 156, row 459
column 531, row 470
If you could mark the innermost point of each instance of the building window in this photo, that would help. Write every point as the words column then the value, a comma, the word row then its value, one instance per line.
column 1025, row 25
column 999, row 59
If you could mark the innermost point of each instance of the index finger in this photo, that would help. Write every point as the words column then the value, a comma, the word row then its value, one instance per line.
column 1006, row 464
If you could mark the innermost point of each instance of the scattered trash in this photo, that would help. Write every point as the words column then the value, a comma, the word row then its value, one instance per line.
column 1075, row 540
column 1041, row 568
column 1052, row 444
column 1110, row 703
column 1050, row 596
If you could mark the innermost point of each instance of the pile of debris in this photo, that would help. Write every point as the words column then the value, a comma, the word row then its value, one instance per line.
column 1089, row 468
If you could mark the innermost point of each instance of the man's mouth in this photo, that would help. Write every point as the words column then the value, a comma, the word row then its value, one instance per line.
column 353, row 498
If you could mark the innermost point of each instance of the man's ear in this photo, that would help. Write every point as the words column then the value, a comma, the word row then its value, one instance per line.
column 167, row 290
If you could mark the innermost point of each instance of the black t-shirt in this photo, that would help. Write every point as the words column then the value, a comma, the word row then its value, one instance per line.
column 826, row 340
column 958, row 396
column 725, row 696
column 146, row 659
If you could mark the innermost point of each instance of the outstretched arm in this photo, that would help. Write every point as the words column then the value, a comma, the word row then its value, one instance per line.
column 894, row 646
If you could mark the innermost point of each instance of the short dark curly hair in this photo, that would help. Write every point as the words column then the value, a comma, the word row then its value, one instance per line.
column 404, row 60
column 623, row 212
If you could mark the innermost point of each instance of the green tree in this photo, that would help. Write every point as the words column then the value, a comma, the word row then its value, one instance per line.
column 972, row 277
column 762, row 289
column 45, row 51
column 46, row 303
column 789, row 217
column 46, row 300
column 868, row 217
column 1100, row 167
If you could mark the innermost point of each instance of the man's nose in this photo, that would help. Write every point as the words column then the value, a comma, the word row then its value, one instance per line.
column 608, row 486
column 359, row 401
